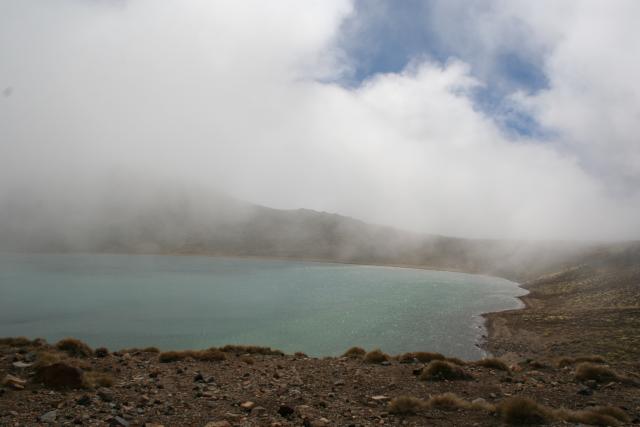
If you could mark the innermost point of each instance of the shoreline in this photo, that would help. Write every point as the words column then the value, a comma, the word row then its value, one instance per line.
column 478, row 320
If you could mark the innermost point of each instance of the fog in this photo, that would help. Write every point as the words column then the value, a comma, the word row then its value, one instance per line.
column 112, row 108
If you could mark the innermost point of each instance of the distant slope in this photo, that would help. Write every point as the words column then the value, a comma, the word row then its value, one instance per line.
column 179, row 221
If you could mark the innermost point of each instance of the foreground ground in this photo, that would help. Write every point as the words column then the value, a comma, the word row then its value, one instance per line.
column 136, row 388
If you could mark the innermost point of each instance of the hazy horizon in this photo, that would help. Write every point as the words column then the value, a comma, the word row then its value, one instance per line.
column 503, row 119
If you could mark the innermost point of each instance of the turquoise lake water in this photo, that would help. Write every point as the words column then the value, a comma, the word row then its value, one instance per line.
column 180, row 302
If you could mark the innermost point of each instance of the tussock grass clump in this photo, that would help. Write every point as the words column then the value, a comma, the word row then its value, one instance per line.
column 598, row 416
column 455, row 361
column 376, row 356
column 523, row 411
column 355, row 353
column 101, row 352
column 93, row 379
column 173, row 356
column 135, row 350
column 588, row 371
column 210, row 355
column 420, row 356
column 16, row 341
column 247, row 359
column 440, row 370
column 47, row 357
column 251, row 349
column 448, row 401
column 74, row 347
column 568, row 361
column 445, row 401
column 406, row 405
column 492, row 363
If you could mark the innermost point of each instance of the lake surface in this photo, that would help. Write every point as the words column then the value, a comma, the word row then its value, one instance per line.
column 180, row 302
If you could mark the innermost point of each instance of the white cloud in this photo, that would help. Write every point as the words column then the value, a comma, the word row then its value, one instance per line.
column 232, row 94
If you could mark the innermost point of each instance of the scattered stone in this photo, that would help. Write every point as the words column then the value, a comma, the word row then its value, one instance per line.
column 258, row 411
column 338, row 383
column 380, row 398
column 118, row 422
column 49, row 417
column 248, row 405
column 14, row 382
column 84, row 400
column 105, row 394
column 585, row 391
column 304, row 411
column 21, row 365
column 198, row 378
column 218, row 424
column 285, row 411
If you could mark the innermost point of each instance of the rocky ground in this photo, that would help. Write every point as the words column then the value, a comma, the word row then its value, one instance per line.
column 134, row 388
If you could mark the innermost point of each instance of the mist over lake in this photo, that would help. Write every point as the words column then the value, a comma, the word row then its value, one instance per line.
column 177, row 302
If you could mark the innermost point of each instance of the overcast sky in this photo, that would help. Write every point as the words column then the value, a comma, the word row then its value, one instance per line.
column 491, row 118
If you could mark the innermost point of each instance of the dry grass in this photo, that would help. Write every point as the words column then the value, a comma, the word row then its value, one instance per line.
column 588, row 371
column 514, row 410
column 251, row 349
column 210, row 355
column 46, row 358
column 524, row 411
column 74, row 347
column 376, row 356
column 492, row 363
column 93, row 379
column 406, row 405
column 247, row 359
column 568, row 361
column 135, row 350
column 355, row 353
column 446, row 401
column 420, row 356
column 16, row 341
column 440, row 370
column 598, row 416
column 455, row 361
column 101, row 352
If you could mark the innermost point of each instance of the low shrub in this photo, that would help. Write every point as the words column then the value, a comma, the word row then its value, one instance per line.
column 74, row 347
column 210, row 355
column 251, row 349
column 95, row 379
column 101, row 352
column 355, row 353
column 492, row 363
column 568, row 361
column 376, row 356
column 15, row 341
column 588, row 371
column 523, row 411
column 440, row 370
column 406, row 405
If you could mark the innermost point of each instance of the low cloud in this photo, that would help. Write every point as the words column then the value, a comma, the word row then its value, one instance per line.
column 244, row 97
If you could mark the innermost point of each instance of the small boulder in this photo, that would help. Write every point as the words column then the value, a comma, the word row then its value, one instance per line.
column 285, row 411
column 13, row 382
column 61, row 375
column 248, row 405
column 49, row 417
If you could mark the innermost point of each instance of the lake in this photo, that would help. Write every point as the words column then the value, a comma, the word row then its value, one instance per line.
column 183, row 302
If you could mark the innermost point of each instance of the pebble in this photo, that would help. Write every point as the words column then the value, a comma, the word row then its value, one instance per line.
column 49, row 417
